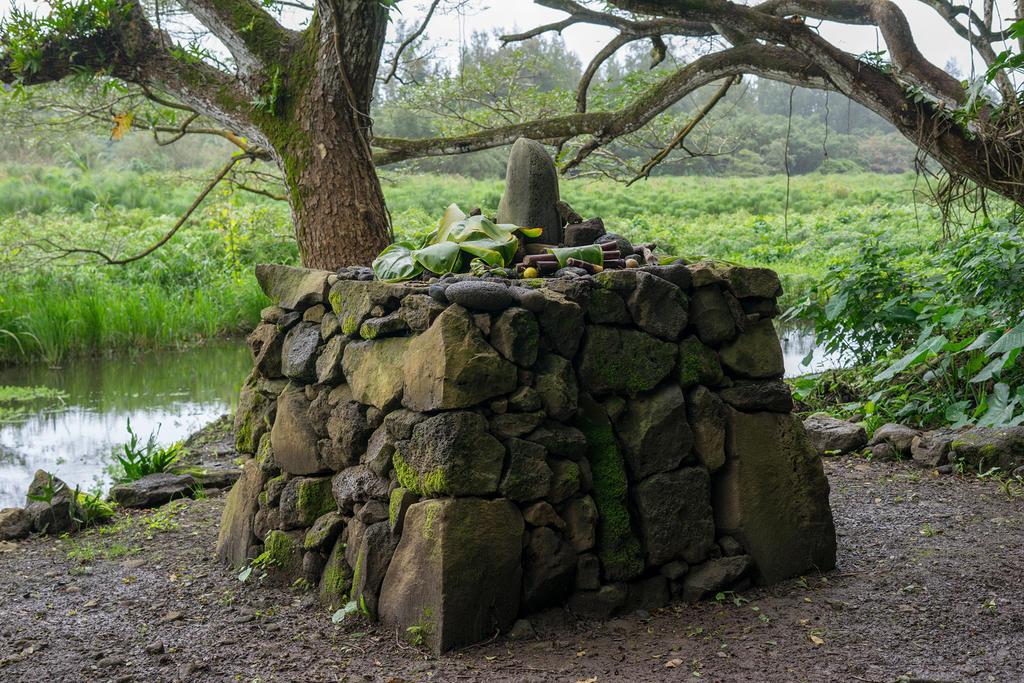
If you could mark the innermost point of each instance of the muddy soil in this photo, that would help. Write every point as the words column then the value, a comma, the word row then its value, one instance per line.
column 930, row 586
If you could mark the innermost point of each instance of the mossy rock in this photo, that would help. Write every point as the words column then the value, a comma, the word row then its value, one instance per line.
column 617, row 545
column 450, row 454
column 698, row 364
column 336, row 580
column 621, row 360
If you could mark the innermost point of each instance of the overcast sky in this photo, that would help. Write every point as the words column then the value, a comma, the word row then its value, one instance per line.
column 449, row 28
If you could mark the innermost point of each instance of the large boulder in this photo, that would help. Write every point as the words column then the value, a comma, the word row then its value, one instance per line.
column 830, row 435
column 450, row 454
column 675, row 515
column 714, row 576
column 349, row 433
column 376, row 548
column 755, row 353
column 711, row 316
column 265, row 347
column 515, row 335
column 622, row 360
column 561, row 321
column 654, row 433
column 752, row 282
column 756, row 395
column 931, row 449
column 329, row 369
column 452, row 366
column 354, row 301
column 898, row 437
column 982, row 448
column 527, row 476
column 556, row 384
column 357, row 484
column 253, row 416
column 708, row 418
column 14, row 524
column 304, row 500
column 292, row 288
column 698, row 364
column 436, row 580
column 772, row 496
column 236, row 541
column 531, row 191
column 549, row 566
column 374, row 371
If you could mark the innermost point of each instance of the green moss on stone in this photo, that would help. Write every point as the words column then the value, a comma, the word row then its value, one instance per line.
column 315, row 498
column 393, row 504
column 406, row 474
column 336, row 581
column 264, row 453
column 280, row 549
column 432, row 484
column 618, row 547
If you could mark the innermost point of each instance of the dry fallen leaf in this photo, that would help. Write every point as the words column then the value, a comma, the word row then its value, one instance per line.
column 816, row 640
column 673, row 663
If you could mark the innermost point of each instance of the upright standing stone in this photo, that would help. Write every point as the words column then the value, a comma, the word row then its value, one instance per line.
column 437, row 580
column 772, row 496
column 531, row 191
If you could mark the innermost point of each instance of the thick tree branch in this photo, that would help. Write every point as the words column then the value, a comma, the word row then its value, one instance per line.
column 773, row 62
column 251, row 34
column 603, row 55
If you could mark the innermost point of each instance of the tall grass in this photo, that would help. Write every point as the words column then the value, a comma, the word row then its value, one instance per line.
column 198, row 286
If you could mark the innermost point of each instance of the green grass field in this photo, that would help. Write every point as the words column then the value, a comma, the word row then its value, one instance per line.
column 199, row 285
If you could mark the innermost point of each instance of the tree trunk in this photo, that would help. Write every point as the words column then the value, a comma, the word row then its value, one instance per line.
column 336, row 200
column 323, row 150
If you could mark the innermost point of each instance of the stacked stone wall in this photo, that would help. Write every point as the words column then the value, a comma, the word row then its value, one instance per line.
column 456, row 454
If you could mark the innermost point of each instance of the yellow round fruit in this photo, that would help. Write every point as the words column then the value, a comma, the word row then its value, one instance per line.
column 530, row 272
column 632, row 263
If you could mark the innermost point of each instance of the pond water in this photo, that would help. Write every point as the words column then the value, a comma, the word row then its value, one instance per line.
column 797, row 341
column 170, row 391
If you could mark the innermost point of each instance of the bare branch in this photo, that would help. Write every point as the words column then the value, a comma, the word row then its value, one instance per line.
column 603, row 55
column 645, row 172
column 409, row 41
column 64, row 252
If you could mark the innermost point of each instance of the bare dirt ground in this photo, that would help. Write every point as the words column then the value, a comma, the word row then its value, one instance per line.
column 929, row 587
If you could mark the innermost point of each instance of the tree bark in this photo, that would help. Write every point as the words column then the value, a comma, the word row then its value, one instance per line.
column 318, row 132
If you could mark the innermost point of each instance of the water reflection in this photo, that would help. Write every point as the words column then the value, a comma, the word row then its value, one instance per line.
column 797, row 342
column 175, row 392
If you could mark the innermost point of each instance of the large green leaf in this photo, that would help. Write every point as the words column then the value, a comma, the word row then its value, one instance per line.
column 440, row 258
column 923, row 350
column 1013, row 339
column 452, row 215
column 591, row 253
column 397, row 263
column 492, row 252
